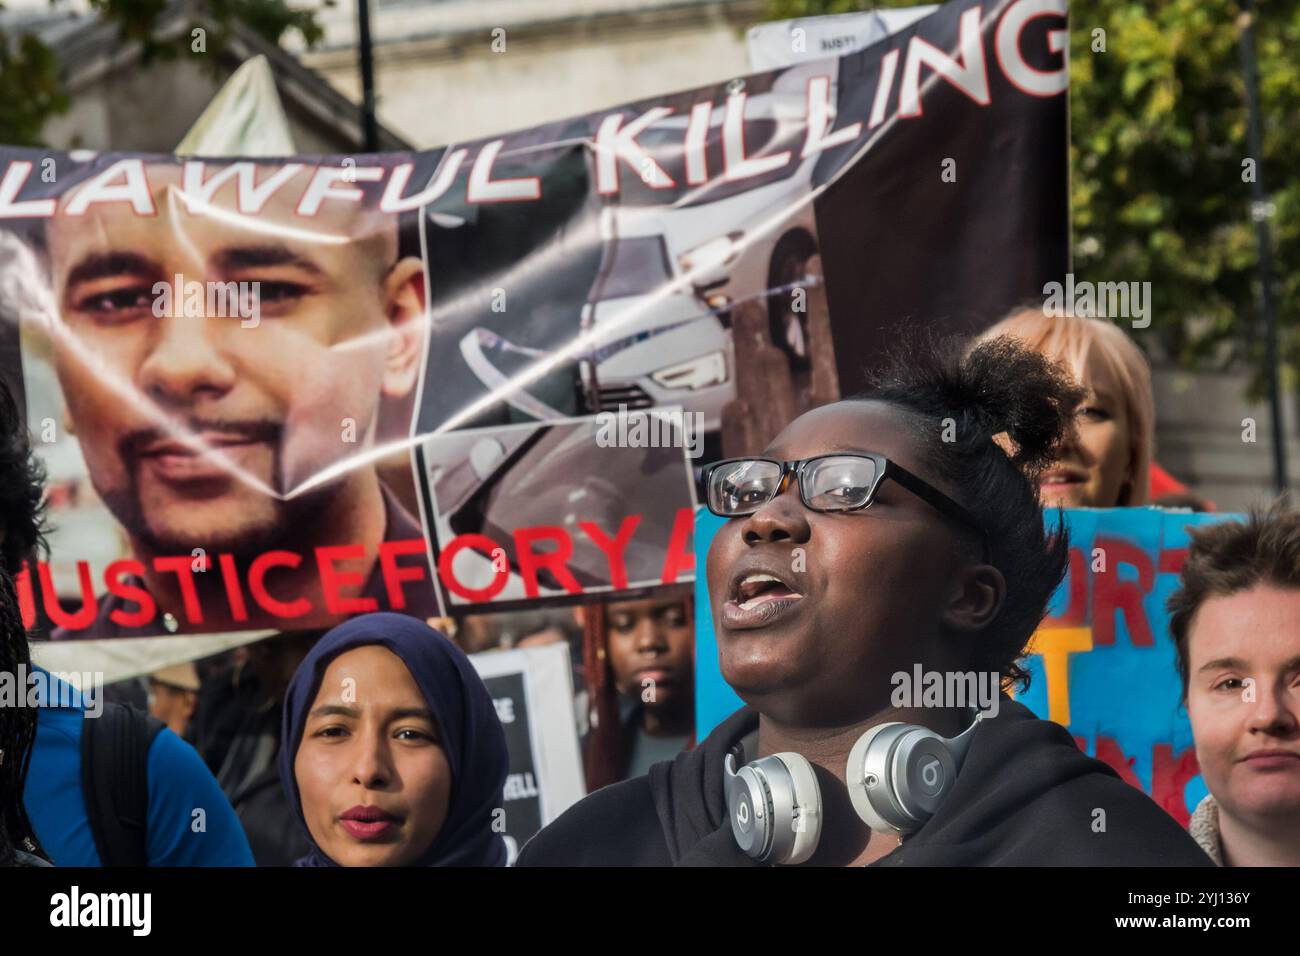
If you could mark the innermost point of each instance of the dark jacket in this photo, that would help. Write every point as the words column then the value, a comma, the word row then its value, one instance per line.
column 237, row 730
column 1025, row 796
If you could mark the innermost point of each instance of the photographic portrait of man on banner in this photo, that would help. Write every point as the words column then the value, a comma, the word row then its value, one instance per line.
column 233, row 349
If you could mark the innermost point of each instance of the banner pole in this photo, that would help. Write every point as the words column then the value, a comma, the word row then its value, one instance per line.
column 603, row 741
column 366, row 62
column 1260, row 212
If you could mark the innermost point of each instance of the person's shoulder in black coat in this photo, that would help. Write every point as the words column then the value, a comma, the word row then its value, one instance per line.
column 1027, row 796
column 615, row 826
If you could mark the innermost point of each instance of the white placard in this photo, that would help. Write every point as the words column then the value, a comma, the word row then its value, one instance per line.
column 775, row 45
column 545, row 776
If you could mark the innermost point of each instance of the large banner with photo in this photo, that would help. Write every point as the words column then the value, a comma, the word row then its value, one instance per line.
column 1102, row 664
column 272, row 393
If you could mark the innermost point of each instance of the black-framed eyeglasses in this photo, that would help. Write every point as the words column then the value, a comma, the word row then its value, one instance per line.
column 736, row 487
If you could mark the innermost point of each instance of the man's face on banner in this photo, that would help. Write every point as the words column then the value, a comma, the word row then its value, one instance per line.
column 266, row 405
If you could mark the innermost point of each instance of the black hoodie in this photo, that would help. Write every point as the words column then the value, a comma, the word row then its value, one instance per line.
column 1025, row 796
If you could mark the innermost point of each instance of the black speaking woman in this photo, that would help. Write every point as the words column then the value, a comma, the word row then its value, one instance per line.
column 896, row 529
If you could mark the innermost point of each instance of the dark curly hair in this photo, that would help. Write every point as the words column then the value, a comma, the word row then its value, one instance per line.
column 22, row 481
column 22, row 489
column 986, row 422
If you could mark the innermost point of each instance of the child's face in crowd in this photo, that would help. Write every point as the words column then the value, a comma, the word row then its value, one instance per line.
column 651, row 649
column 174, row 706
column 1096, row 463
column 1243, row 698
column 374, row 780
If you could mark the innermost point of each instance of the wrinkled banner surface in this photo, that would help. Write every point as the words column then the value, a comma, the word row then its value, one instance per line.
column 270, row 394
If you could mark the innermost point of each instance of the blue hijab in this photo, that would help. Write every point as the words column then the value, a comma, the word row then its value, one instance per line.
column 470, row 732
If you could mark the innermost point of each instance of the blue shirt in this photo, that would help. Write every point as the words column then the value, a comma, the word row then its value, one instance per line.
column 179, row 784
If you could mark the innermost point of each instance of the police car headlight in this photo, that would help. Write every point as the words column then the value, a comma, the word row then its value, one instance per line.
column 710, row 369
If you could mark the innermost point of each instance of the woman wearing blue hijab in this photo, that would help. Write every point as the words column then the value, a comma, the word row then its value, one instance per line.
column 393, row 754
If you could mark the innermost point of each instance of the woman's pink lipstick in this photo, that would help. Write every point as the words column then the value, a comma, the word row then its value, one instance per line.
column 368, row 823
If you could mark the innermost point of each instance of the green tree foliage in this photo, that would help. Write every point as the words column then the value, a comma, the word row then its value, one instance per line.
column 31, row 88
column 137, row 21
column 1160, row 187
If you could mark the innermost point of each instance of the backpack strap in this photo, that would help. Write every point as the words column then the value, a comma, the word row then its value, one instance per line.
column 115, row 782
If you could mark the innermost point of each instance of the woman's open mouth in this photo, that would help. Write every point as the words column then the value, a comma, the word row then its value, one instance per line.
column 758, row 598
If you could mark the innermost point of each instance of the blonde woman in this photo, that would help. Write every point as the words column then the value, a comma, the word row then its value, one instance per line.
column 1107, row 463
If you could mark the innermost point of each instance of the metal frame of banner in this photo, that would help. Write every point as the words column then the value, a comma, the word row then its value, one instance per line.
column 1260, row 212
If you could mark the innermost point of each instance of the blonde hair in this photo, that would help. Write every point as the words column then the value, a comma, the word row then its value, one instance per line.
column 1073, row 340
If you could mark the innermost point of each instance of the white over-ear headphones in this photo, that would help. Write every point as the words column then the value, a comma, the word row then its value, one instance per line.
column 897, row 775
column 775, row 807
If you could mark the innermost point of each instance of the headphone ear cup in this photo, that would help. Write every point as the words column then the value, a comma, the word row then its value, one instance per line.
column 748, row 800
column 804, row 823
column 775, row 808
column 924, row 773
column 869, row 786
column 898, row 774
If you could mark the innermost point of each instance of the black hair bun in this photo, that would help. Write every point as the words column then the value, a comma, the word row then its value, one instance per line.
column 986, row 420
column 1016, row 390
column 1001, row 387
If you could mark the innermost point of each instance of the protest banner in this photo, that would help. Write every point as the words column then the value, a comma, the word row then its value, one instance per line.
column 1101, row 664
column 535, row 511
column 236, row 370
